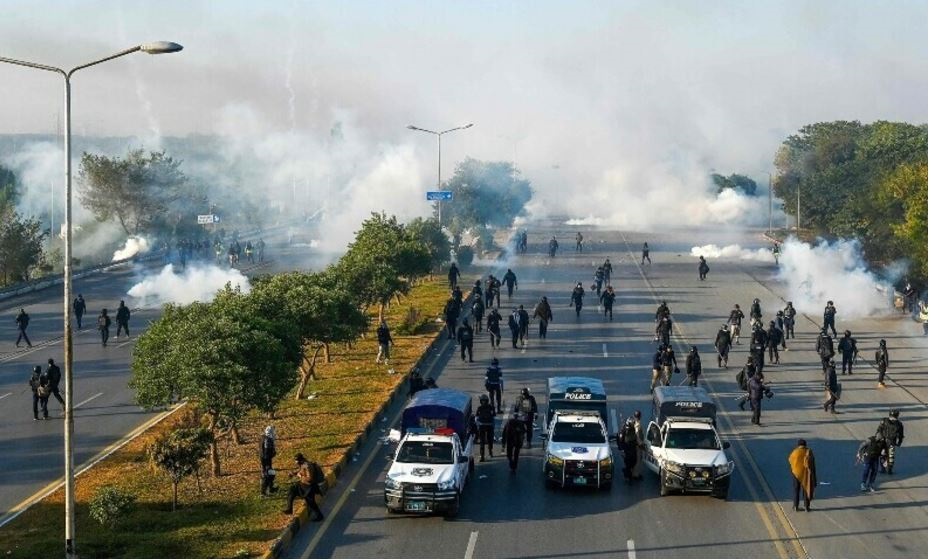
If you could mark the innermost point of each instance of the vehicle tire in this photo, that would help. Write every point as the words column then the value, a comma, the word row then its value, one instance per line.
column 453, row 510
column 663, row 489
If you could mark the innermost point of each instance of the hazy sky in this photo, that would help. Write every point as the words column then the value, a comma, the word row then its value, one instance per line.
column 597, row 95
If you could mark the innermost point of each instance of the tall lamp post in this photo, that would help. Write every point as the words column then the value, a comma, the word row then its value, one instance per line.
column 439, row 162
column 158, row 47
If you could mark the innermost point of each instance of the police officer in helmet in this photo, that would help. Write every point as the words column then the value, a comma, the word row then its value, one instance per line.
column 485, row 418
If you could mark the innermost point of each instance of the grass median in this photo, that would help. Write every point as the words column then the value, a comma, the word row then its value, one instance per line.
column 226, row 516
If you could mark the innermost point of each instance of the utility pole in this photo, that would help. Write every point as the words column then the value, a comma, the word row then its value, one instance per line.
column 439, row 163
column 798, row 207
column 770, row 202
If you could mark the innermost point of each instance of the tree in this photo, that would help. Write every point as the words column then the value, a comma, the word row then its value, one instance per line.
column 907, row 186
column 485, row 195
column 136, row 190
column 736, row 182
column 316, row 308
column 431, row 235
column 9, row 191
column 219, row 356
column 180, row 453
column 20, row 246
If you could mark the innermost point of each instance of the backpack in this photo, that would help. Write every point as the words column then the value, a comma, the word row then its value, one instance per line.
column 317, row 473
column 102, row 322
column 525, row 405
column 629, row 434
column 486, row 414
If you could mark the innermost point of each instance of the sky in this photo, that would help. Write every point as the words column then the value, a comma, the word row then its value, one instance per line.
column 596, row 102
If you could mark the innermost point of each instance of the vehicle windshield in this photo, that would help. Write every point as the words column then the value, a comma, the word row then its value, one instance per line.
column 578, row 432
column 435, row 452
column 692, row 439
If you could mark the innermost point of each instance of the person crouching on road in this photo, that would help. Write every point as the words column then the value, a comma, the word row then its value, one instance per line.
column 485, row 418
column 267, row 452
column 804, row 479
column 309, row 476
column 512, row 439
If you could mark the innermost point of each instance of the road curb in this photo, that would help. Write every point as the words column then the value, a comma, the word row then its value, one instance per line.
column 281, row 544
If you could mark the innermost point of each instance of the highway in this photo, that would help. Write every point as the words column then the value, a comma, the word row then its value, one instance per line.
column 105, row 411
column 514, row 516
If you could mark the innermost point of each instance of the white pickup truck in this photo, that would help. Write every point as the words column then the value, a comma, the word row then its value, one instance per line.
column 577, row 451
column 433, row 459
column 682, row 445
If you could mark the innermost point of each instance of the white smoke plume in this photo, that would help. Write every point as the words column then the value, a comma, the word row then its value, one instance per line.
column 134, row 245
column 195, row 283
column 732, row 252
column 832, row 271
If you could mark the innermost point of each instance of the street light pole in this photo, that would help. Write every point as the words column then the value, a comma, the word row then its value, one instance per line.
column 770, row 202
column 159, row 47
column 439, row 162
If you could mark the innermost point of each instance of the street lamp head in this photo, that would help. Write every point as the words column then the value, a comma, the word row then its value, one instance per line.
column 160, row 47
column 411, row 127
column 468, row 125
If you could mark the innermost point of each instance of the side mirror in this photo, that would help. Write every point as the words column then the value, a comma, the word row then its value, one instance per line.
column 394, row 436
column 726, row 445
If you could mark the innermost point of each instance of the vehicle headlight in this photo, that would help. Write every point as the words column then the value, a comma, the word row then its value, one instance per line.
column 675, row 468
column 446, row 484
column 606, row 462
column 392, row 484
column 726, row 468
column 554, row 460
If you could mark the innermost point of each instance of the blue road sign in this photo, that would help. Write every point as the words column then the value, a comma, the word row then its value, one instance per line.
column 439, row 195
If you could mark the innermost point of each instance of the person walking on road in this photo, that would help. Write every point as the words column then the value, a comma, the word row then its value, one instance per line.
column 868, row 454
column 663, row 331
column 53, row 373
column 645, row 254
column 267, row 452
column 607, row 301
column 478, row 313
column 485, row 419
column 734, row 321
column 512, row 439
column 831, row 388
column 702, row 268
column 774, row 338
column 756, row 388
column 22, row 323
column 40, row 393
column 598, row 281
column 451, row 314
column 465, row 337
column 824, row 346
column 804, row 477
column 578, row 293
column 848, row 349
column 309, row 476
column 493, row 325
column 829, row 312
column 722, row 343
column 79, row 308
column 523, row 321
column 892, row 432
column 627, row 444
column 494, row 383
column 453, row 276
column 693, row 367
column 669, row 364
column 638, row 430
column 122, row 319
column 544, row 312
column 514, row 325
column 657, row 367
column 384, row 343
column 103, row 325
column 789, row 313
column 578, row 242
column 526, row 405
column 510, row 280
column 608, row 268
column 882, row 363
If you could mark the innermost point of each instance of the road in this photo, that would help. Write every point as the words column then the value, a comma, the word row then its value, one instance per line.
column 514, row 516
column 105, row 412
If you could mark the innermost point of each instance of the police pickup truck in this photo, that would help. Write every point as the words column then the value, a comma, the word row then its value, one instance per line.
column 577, row 450
column 433, row 459
column 682, row 445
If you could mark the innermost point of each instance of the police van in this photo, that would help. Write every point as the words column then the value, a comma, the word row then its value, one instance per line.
column 682, row 445
column 577, row 452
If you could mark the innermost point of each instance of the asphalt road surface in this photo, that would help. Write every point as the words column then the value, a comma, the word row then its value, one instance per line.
column 506, row 515
column 30, row 451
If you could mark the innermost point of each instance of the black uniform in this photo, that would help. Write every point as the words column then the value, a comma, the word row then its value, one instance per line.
column 451, row 313
column 722, row 343
column 789, row 313
column 664, row 331
column 103, row 325
column 758, row 342
column 464, row 337
column 512, row 439
column 829, row 312
column 830, row 387
column 267, row 452
column 848, row 349
column 702, row 269
column 453, row 275
column 53, row 373
column 510, row 280
column 882, row 363
column 478, row 313
column 523, row 321
column 892, row 432
column 79, row 308
column 668, row 360
column 645, row 254
column 576, row 299
column 607, row 300
column 514, row 325
column 493, row 324
column 774, row 340
column 526, row 406
column 485, row 419
column 493, row 384
column 40, row 393
column 22, row 322
column 756, row 389
column 693, row 368
column 122, row 319
column 824, row 346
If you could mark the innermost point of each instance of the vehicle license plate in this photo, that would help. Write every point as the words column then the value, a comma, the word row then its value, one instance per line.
column 580, row 480
column 415, row 506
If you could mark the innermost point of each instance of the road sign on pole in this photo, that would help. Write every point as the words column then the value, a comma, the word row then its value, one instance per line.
column 439, row 195
column 208, row 219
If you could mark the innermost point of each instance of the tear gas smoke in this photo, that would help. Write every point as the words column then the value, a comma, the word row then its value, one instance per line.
column 134, row 245
column 732, row 252
column 832, row 271
column 195, row 283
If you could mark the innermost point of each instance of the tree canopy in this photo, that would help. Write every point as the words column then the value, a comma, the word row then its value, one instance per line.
column 735, row 182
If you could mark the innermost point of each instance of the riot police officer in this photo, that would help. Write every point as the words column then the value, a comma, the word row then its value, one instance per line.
column 485, row 418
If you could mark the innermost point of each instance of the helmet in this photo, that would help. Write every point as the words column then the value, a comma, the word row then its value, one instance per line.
column 694, row 348
column 846, row 333
column 772, row 323
column 660, row 348
column 778, row 313
column 525, row 391
column 882, row 342
column 494, row 361
column 483, row 399
column 788, row 303
column 724, row 327
column 894, row 413
column 736, row 306
column 37, row 369
column 830, row 302
column 756, row 300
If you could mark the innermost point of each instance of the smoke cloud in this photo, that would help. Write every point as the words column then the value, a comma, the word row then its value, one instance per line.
column 732, row 252
column 832, row 271
column 195, row 283
column 134, row 245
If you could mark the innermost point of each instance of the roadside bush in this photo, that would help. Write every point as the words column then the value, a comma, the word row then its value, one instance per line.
column 110, row 504
column 414, row 322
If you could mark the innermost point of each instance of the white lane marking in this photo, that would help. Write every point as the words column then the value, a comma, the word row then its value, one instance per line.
column 130, row 341
column 82, row 403
column 604, row 349
column 614, row 429
column 470, row 548
column 5, row 396
column 631, row 551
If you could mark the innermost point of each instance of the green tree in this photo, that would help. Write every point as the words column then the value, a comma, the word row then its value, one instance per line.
column 21, row 250
column 180, row 453
column 736, row 182
column 137, row 190
column 907, row 187
column 9, row 191
column 429, row 233
column 219, row 356
column 110, row 504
